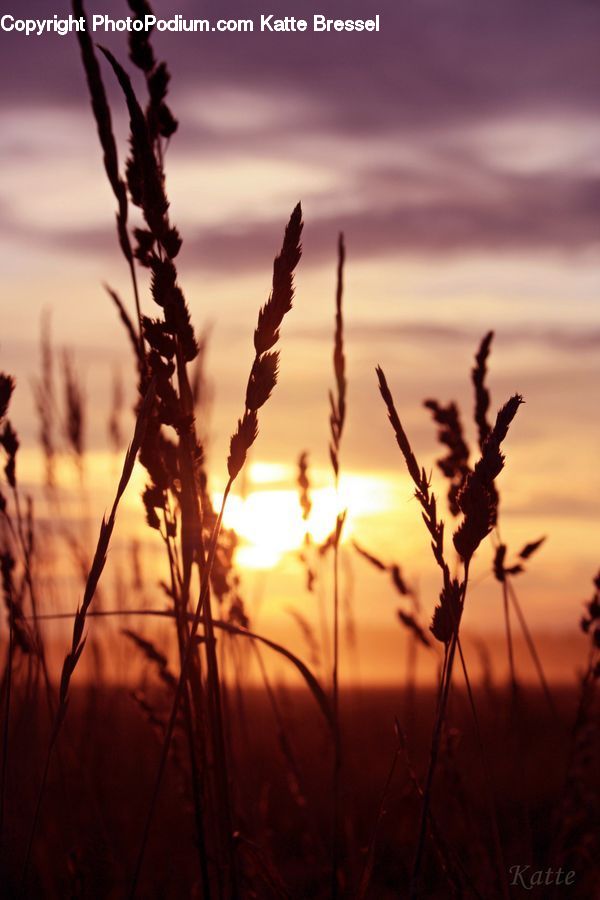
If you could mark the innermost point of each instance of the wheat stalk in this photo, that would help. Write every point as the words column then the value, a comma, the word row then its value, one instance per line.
column 477, row 502
column 261, row 381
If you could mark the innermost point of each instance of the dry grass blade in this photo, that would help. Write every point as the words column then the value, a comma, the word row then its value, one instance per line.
column 409, row 621
column 533, row 650
column 411, row 463
column 74, row 425
column 161, row 122
column 103, row 118
column 478, row 500
column 455, row 465
column 125, row 319
column 279, row 303
column 337, row 401
column 482, row 395
column 478, row 505
column 424, row 496
column 7, row 386
column 114, row 428
column 311, row 680
column 153, row 199
column 153, row 655
column 101, row 112
column 18, row 637
column 308, row 634
column 303, row 482
column 373, row 560
column 9, row 440
column 529, row 549
column 45, row 401
column 21, row 635
column 337, row 418
column 394, row 570
column 264, row 371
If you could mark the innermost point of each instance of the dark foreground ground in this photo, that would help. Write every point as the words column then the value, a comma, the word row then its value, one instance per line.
column 100, row 780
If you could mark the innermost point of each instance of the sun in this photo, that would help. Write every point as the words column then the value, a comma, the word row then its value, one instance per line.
column 268, row 518
column 269, row 523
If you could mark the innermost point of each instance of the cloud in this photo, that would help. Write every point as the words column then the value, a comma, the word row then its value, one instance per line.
column 431, row 63
column 413, row 123
column 567, row 339
column 510, row 214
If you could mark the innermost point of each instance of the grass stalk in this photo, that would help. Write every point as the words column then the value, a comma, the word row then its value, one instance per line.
column 365, row 880
column 500, row 860
column 337, row 420
column 312, row 683
column 532, row 649
column 78, row 639
column 189, row 650
column 433, row 759
column 197, row 794
column 514, row 687
column 6, row 728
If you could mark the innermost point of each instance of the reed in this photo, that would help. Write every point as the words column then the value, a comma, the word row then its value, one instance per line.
column 261, row 382
column 477, row 503
column 17, row 633
column 337, row 419
column 102, row 115
column 78, row 639
column 45, row 402
column 169, row 339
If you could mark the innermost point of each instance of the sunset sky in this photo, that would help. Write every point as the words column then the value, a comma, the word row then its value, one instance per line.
column 459, row 151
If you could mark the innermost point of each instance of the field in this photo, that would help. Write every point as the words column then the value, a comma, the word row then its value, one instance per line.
column 89, row 828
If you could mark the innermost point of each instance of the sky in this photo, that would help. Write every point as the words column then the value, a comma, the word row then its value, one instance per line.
column 458, row 150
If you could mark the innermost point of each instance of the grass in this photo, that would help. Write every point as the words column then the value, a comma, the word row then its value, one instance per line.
column 195, row 783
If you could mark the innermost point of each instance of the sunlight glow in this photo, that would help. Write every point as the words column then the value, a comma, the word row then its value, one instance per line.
column 269, row 520
column 270, row 524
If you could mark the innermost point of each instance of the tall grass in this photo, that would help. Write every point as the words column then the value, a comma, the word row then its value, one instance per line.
column 407, row 815
column 337, row 419
column 477, row 501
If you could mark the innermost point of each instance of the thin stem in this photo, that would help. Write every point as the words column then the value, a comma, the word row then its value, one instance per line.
column 532, row 649
column 138, row 309
column 368, row 869
column 312, row 683
column 411, row 671
column 488, row 779
column 221, row 761
column 509, row 644
column 25, row 550
column 433, row 756
column 192, row 548
column 38, row 804
column 337, row 760
column 435, row 745
column 91, row 587
column 204, row 589
column 285, row 744
column 6, row 725
column 442, row 849
column 181, row 627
